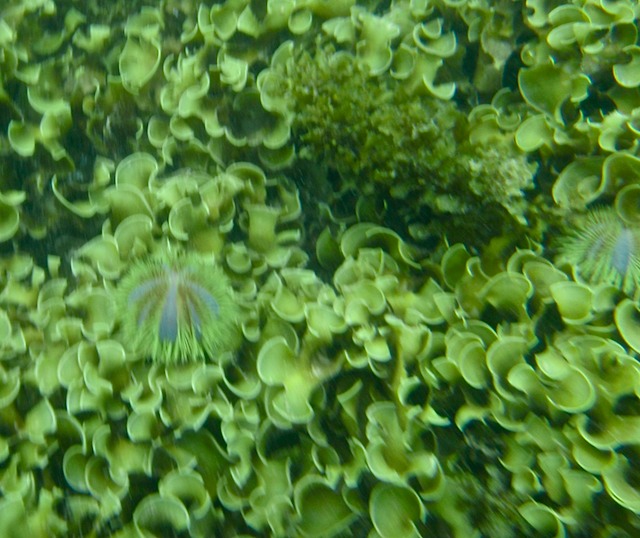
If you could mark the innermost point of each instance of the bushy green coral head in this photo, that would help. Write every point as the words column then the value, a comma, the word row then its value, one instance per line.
column 177, row 308
column 604, row 249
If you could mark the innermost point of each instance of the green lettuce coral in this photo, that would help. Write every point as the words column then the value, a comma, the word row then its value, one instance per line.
column 364, row 205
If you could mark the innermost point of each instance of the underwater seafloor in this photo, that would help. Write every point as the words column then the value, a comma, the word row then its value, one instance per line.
column 314, row 268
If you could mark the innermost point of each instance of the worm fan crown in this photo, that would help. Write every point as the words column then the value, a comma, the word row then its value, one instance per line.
column 177, row 308
column 604, row 249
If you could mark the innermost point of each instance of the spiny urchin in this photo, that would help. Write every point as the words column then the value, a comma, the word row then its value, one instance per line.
column 604, row 249
column 177, row 307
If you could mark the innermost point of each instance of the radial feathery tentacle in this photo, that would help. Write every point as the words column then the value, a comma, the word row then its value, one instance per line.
column 604, row 249
column 178, row 308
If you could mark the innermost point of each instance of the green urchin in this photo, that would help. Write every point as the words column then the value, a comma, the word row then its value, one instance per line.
column 177, row 308
column 604, row 249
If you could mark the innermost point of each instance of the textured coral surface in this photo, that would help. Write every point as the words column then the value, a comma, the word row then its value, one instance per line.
column 313, row 268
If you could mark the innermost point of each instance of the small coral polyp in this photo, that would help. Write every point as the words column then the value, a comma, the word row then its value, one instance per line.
column 605, row 249
column 177, row 308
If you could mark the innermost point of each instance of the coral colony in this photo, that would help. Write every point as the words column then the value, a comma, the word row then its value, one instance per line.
column 288, row 268
column 177, row 308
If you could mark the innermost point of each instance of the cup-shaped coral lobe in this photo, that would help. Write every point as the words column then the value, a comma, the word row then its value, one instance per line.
column 605, row 249
column 178, row 307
